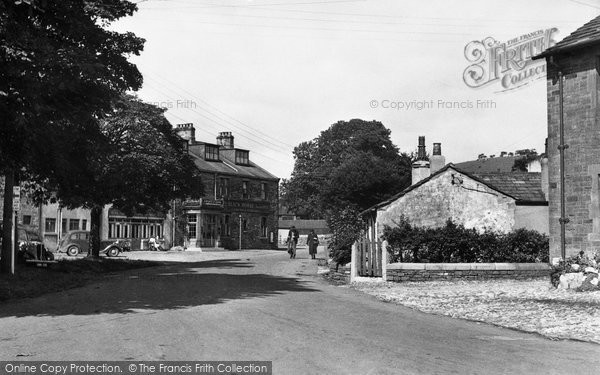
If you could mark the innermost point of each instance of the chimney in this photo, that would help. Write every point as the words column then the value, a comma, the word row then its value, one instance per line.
column 186, row 131
column 545, row 181
column 225, row 140
column 437, row 159
column 420, row 168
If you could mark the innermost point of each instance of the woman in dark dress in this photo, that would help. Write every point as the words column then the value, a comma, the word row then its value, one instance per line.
column 312, row 241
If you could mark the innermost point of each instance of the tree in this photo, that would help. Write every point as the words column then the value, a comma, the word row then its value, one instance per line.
column 60, row 69
column 348, row 168
column 135, row 162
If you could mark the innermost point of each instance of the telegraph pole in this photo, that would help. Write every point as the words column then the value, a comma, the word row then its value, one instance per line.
column 240, row 246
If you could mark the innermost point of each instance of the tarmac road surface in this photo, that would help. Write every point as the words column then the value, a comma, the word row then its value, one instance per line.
column 260, row 305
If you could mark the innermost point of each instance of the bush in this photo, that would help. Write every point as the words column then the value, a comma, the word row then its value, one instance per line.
column 453, row 243
column 346, row 228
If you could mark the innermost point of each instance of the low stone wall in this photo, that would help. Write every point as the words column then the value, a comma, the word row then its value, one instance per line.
column 399, row 272
column 342, row 274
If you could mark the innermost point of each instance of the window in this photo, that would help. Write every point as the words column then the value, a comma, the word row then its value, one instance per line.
column 223, row 187
column 211, row 152
column 263, row 226
column 73, row 224
column 245, row 189
column 241, row 157
column 50, row 225
column 26, row 219
column 263, row 191
column 227, row 230
column 63, row 226
column 244, row 225
column 134, row 227
column 192, row 220
column 83, row 224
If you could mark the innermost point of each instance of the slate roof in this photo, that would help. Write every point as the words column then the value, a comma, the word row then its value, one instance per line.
column 228, row 166
column 489, row 165
column 586, row 35
column 525, row 187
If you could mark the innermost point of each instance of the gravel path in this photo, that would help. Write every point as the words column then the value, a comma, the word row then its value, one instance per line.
column 528, row 305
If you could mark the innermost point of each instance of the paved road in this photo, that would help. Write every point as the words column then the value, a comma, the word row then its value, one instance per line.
column 259, row 305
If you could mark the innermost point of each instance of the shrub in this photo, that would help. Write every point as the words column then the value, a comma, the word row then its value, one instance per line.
column 346, row 228
column 453, row 243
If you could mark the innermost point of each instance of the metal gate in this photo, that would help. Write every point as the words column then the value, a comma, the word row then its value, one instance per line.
column 369, row 258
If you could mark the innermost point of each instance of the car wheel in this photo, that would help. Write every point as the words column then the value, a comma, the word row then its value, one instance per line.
column 73, row 250
column 113, row 252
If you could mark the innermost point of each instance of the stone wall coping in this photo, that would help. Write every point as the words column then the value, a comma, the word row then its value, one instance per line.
column 468, row 266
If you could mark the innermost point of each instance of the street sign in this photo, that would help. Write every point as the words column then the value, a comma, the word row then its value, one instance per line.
column 16, row 198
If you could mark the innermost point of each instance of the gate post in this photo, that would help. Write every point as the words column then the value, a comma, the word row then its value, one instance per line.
column 354, row 262
column 384, row 259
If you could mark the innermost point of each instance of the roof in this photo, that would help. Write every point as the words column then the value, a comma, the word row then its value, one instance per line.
column 425, row 180
column 489, row 165
column 303, row 224
column 586, row 35
column 524, row 186
column 228, row 166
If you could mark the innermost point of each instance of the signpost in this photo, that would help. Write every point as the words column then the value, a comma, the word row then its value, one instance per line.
column 14, row 233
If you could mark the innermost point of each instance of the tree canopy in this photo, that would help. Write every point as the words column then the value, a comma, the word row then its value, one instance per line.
column 60, row 70
column 348, row 168
column 351, row 164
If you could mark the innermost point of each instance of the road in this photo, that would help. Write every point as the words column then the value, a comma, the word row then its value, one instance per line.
column 260, row 305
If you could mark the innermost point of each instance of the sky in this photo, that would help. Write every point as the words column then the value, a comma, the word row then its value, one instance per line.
column 276, row 73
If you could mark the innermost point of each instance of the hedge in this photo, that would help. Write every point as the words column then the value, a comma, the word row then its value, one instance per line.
column 453, row 243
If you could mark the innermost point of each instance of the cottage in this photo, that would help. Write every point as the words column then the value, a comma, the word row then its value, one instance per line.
column 499, row 202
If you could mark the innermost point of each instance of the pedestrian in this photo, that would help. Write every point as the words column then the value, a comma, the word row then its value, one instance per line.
column 312, row 241
column 292, row 241
column 151, row 244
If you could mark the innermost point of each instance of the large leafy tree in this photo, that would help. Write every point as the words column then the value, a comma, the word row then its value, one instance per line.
column 135, row 162
column 348, row 168
column 60, row 69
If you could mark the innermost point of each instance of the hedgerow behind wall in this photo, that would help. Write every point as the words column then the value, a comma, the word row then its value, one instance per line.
column 454, row 243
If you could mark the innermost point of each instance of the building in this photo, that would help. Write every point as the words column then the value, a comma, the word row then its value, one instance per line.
column 240, row 199
column 573, row 85
column 439, row 192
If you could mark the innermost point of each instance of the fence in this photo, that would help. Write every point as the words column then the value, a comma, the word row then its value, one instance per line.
column 368, row 257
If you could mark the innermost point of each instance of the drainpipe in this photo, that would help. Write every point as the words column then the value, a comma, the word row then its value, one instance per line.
column 561, row 148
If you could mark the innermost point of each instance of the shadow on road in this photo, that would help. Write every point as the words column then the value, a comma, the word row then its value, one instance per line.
column 168, row 287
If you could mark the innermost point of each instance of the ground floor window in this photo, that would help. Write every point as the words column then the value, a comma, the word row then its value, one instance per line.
column 73, row 224
column 192, row 220
column 50, row 225
column 263, row 226
column 135, row 228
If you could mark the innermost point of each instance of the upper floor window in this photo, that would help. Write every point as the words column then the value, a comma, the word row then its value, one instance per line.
column 245, row 189
column 242, row 157
column 211, row 152
column 263, row 190
column 223, row 188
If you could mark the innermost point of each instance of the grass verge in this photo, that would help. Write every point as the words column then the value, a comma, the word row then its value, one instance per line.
column 31, row 281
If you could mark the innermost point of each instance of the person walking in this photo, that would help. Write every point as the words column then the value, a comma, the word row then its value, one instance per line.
column 312, row 241
column 293, row 241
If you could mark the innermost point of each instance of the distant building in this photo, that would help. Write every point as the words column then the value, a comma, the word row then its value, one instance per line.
column 575, row 62
column 238, row 195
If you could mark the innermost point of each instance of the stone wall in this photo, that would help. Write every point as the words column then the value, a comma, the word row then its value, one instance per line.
column 340, row 273
column 582, row 157
column 399, row 272
column 467, row 202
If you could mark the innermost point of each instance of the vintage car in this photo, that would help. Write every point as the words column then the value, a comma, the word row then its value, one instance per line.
column 29, row 245
column 78, row 241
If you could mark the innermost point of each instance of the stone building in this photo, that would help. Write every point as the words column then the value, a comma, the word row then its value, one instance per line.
column 573, row 66
column 498, row 202
column 238, row 196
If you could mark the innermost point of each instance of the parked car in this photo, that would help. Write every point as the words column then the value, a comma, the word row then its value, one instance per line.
column 29, row 245
column 76, row 242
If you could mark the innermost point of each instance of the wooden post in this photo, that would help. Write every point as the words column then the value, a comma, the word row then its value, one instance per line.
column 384, row 260
column 354, row 262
